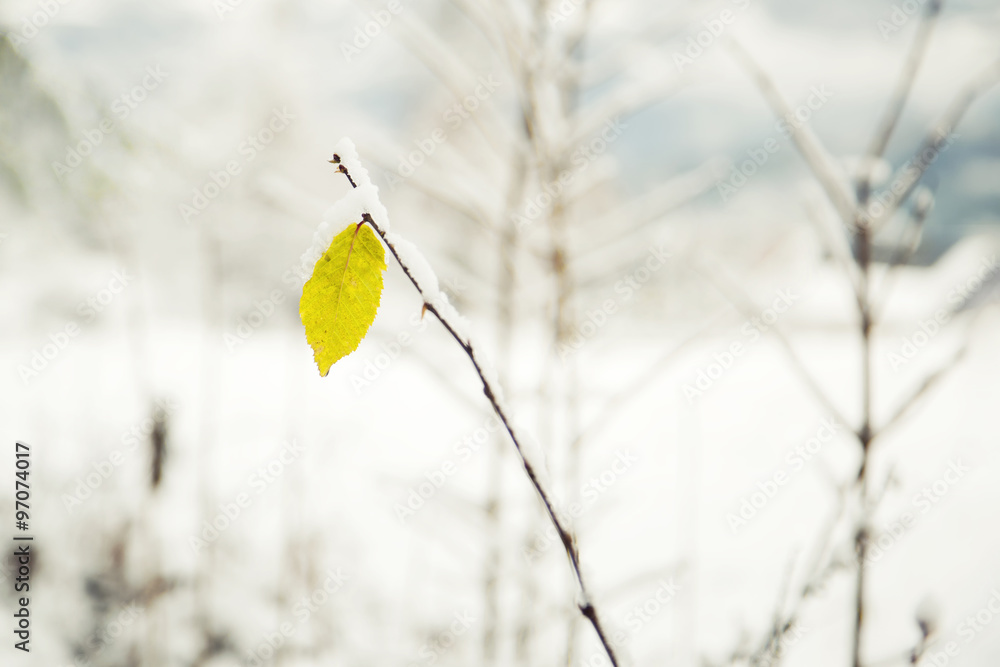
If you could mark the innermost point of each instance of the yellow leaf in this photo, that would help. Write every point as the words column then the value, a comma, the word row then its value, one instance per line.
column 341, row 298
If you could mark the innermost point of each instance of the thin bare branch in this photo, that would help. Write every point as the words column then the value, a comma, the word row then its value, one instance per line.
column 455, row 74
column 629, row 99
column 621, row 223
column 927, row 385
column 431, row 187
column 808, row 144
column 821, row 568
column 897, row 101
column 908, row 176
column 836, row 243
column 745, row 305
column 906, row 247
column 623, row 397
column 492, row 392
column 482, row 20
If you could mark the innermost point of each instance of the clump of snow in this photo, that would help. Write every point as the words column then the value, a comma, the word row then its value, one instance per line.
column 365, row 190
column 348, row 211
column 368, row 194
column 363, row 198
column 418, row 266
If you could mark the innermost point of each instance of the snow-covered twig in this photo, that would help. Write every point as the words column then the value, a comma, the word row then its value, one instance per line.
column 419, row 272
column 897, row 101
column 912, row 171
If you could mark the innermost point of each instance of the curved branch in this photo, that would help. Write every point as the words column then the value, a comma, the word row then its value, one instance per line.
column 493, row 394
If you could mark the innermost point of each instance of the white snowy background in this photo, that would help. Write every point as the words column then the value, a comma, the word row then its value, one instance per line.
column 193, row 319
